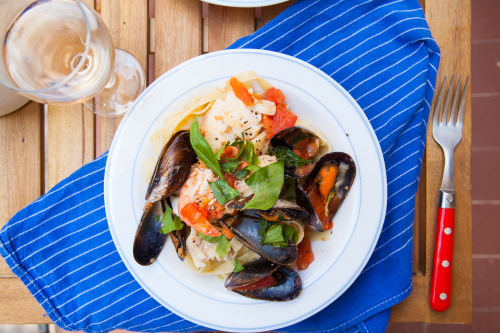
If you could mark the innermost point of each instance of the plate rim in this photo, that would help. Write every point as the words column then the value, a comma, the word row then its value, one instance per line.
column 247, row 3
column 352, row 101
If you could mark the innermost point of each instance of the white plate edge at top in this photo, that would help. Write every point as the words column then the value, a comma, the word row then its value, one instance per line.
column 361, row 114
column 244, row 3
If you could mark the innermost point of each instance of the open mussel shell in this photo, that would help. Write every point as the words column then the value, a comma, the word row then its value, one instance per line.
column 298, row 139
column 282, row 210
column 149, row 240
column 246, row 229
column 264, row 280
column 172, row 168
column 322, row 209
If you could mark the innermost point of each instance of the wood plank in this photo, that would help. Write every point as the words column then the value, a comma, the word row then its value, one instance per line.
column 450, row 23
column 226, row 25
column 172, row 48
column 70, row 139
column 21, row 153
column 413, row 308
column 266, row 14
column 18, row 306
column 128, row 24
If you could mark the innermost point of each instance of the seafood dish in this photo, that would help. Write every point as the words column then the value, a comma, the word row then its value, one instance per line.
column 240, row 186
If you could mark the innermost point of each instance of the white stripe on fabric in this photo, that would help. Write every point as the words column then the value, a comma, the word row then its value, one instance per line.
column 163, row 326
column 401, row 189
column 398, row 220
column 185, row 329
column 394, row 237
column 64, row 224
column 401, row 204
column 137, row 316
column 414, row 139
column 399, row 135
column 104, row 295
column 150, row 321
column 397, row 114
column 392, row 78
column 432, row 66
column 401, row 175
column 76, row 270
column 394, row 91
column 375, row 48
column 277, row 25
column 51, row 206
column 389, row 255
column 62, row 238
column 329, row 21
column 82, row 280
column 119, row 313
column 383, row 70
column 298, row 26
column 401, row 161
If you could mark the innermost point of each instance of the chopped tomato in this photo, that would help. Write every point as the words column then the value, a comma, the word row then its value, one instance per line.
column 267, row 281
column 241, row 91
column 306, row 148
column 231, row 179
column 243, row 165
column 283, row 118
column 274, row 95
column 196, row 217
column 230, row 152
column 257, row 96
column 267, row 123
column 305, row 254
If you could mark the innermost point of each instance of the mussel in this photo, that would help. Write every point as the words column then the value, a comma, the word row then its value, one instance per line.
column 246, row 230
column 325, row 189
column 171, row 171
column 261, row 279
column 296, row 141
column 282, row 210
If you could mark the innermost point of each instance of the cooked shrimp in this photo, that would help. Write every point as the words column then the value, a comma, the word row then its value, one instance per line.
column 197, row 202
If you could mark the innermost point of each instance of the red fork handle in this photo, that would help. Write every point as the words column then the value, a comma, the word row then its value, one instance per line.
column 443, row 255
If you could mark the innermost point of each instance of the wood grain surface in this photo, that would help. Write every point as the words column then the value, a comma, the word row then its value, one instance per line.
column 37, row 151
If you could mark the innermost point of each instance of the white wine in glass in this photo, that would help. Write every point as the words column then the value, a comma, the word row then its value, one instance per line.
column 60, row 52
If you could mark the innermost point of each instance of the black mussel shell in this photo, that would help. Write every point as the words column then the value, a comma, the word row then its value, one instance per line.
column 172, row 168
column 246, row 229
column 308, row 192
column 282, row 210
column 286, row 283
column 149, row 240
column 302, row 140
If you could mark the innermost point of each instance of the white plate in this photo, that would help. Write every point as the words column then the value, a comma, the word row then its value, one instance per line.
column 244, row 3
column 313, row 96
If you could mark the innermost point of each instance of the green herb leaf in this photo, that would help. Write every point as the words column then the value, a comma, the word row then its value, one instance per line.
column 237, row 266
column 289, row 157
column 169, row 223
column 266, row 185
column 249, row 155
column 223, row 246
column 240, row 174
column 252, row 167
column 221, row 150
column 274, row 236
column 289, row 233
column 222, row 191
column 207, row 238
column 230, row 166
column 263, row 226
column 203, row 149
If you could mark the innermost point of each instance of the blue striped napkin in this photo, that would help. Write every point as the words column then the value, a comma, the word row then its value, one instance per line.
column 382, row 53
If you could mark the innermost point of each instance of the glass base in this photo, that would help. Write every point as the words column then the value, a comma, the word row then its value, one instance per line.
column 127, row 82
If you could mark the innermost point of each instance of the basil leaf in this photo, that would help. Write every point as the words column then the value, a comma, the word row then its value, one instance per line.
column 219, row 152
column 266, row 185
column 222, row 247
column 203, row 149
column 230, row 166
column 240, row 174
column 207, row 238
column 289, row 157
column 169, row 223
column 263, row 226
column 274, row 236
column 249, row 155
column 222, row 191
column 252, row 167
column 237, row 266
column 290, row 234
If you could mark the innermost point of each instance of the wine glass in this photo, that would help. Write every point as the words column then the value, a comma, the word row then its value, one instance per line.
column 60, row 52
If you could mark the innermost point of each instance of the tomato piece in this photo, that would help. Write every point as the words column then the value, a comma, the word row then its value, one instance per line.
column 267, row 123
column 230, row 152
column 283, row 119
column 194, row 216
column 267, row 281
column 241, row 91
column 274, row 95
column 305, row 254
column 231, row 179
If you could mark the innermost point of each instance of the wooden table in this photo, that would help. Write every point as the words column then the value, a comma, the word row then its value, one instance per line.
column 41, row 146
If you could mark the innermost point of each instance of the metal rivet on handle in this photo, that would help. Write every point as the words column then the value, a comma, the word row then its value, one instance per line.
column 447, row 231
column 443, row 296
column 445, row 263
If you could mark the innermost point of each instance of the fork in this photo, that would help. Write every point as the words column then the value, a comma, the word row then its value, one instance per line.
column 447, row 131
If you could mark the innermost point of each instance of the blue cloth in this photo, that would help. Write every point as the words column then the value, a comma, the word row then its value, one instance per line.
column 382, row 53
